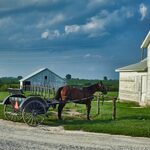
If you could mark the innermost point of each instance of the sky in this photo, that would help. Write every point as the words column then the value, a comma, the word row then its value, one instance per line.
column 85, row 38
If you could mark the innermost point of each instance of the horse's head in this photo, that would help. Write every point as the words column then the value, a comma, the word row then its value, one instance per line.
column 102, row 88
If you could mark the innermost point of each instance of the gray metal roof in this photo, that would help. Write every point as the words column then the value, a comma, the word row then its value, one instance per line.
column 137, row 67
column 38, row 71
column 146, row 41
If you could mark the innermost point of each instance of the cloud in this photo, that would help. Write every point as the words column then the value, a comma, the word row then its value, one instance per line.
column 92, row 56
column 143, row 11
column 87, row 55
column 71, row 28
column 7, row 21
column 55, row 34
column 45, row 35
column 98, row 24
column 50, row 34
column 51, row 20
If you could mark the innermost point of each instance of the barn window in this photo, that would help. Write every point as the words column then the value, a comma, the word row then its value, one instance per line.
column 45, row 77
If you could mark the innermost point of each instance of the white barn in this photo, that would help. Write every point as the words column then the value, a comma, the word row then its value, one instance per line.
column 43, row 77
column 134, row 79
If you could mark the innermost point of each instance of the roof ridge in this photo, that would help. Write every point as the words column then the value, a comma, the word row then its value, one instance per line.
column 38, row 71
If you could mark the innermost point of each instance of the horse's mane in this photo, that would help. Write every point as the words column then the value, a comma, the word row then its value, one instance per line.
column 89, row 88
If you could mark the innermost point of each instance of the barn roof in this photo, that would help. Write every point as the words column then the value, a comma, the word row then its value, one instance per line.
column 37, row 72
column 146, row 41
column 137, row 67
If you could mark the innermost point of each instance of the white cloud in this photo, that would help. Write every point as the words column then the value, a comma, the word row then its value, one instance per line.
column 45, row 35
column 50, row 20
column 50, row 34
column 94, row 56
column 55, row 33
column 87, row 55
column 98, row 24
column 143, row 10
column 129, row 14
column 71, row 28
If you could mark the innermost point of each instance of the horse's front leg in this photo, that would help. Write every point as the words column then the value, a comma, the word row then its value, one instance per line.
column 88, row 108
column 60, row 108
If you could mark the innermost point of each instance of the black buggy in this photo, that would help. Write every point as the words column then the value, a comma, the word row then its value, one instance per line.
column 32, row 110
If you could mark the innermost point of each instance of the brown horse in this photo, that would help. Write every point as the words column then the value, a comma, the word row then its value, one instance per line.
column 81, row 96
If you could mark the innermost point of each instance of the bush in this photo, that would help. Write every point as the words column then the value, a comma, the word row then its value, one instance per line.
column 4, row 87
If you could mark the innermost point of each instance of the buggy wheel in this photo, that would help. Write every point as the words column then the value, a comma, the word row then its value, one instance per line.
column 12, row 114
column 34, row 113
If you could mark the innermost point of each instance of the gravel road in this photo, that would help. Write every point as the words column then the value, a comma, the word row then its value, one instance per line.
column 18, row 136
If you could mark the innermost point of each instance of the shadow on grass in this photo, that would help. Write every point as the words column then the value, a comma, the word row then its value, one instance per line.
column 135, row 117
column 74, row 122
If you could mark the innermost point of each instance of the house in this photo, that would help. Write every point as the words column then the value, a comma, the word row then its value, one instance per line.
column 134, row 79
column 42, row 77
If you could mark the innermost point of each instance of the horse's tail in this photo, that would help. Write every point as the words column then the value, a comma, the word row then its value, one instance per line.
column 58, row 93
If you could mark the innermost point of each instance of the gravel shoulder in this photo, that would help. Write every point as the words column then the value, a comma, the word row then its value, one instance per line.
column 18, row 136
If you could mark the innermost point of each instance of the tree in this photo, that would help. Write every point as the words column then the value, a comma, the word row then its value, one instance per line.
column 19, row 77
column 68, row 76
column 105, row 78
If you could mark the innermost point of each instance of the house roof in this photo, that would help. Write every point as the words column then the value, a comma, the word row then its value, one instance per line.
column 137, row 67
column 37, row 72
column 146, row 41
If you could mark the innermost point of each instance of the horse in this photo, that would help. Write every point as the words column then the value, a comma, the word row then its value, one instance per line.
column 80, row 96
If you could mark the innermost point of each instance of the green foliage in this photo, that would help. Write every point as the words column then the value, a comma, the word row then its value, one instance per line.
column 112, row 85
column 105, row 78
column 4, row 87
column 19, row 77
column 8, row 82
column 68, row 76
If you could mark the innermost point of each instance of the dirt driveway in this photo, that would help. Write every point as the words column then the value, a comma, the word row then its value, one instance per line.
column 18, row 136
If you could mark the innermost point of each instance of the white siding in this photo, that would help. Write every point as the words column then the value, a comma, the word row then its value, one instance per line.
column 143, row 89
column 130, row 86
column 148, row 80
column 135, row 86
column 53, row 81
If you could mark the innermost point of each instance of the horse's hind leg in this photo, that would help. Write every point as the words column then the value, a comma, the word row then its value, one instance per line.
column 88, row 107
column 60, row 108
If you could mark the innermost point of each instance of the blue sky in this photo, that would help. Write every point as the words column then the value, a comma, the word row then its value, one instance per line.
column 87, row 38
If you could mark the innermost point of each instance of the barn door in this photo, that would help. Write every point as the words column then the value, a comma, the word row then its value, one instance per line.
column 26, row 85
column 143, row 88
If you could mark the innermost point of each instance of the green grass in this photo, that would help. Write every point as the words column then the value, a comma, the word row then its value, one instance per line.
column 3, row 95
column 109, row 96
column 131, row 119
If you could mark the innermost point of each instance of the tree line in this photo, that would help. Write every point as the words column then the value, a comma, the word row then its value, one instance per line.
column 9, row 82
column 112, row 85
column 13, row 82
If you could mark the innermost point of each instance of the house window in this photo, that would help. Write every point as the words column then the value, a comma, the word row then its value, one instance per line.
column 45, row 77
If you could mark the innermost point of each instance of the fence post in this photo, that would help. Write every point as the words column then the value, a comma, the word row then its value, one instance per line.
column 114, row 108
column 98, row 104
column 49, row 92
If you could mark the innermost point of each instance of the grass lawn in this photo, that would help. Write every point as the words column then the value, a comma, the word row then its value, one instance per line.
column 131, row 119
column 3, row 95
